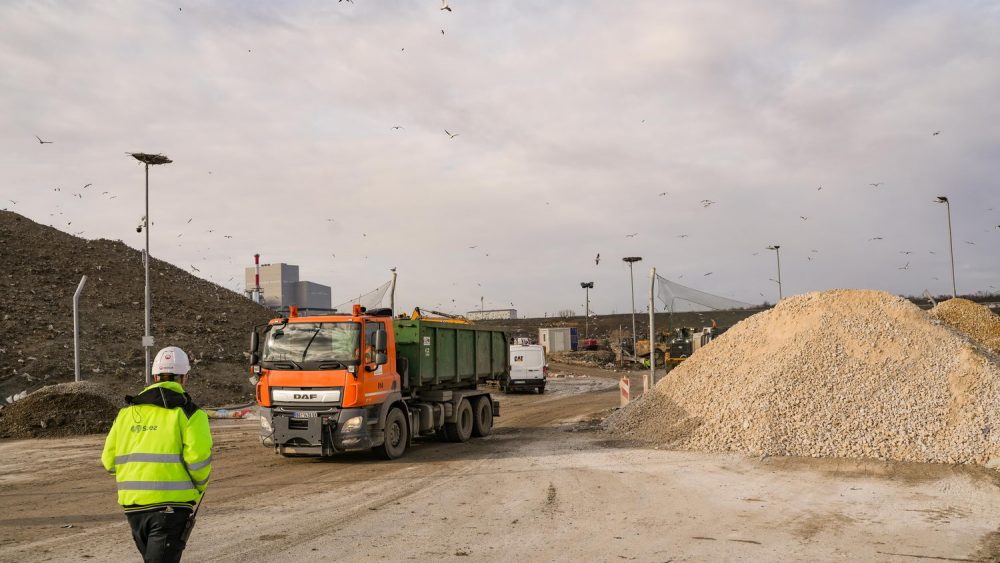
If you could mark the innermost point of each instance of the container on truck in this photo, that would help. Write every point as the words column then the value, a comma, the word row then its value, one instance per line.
column 333, row 383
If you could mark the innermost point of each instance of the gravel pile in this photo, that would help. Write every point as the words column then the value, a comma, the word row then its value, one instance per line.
column 973, row 319
column 593, row 358
column 845, row 373
column 67, row 409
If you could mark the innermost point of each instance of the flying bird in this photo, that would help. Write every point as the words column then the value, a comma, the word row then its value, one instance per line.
column 904, row 267
column 969, row 242
column 907, row 252
column 397, row 127
column 445, row 6
column 191, row 219
column 597, row 260
column 477, row 246
column 708, row 274
column 633, row 235
column 442, row 32
column 875, row 238
column 819, row 188
column 195, row 269
column 876, row 184
column 450, row 135
column 87, row 186
column 41, row 142
column 706, row 202
column 661, row 194
column 227, row 236
column 935, row 133
column 683, row 236
column 803, row 217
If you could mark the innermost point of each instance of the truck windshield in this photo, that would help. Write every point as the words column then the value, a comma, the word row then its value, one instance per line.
column 313, row 342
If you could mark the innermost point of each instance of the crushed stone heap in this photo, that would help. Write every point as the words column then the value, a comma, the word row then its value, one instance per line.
column 975, row 320
column 844, row 373
column 66, row 409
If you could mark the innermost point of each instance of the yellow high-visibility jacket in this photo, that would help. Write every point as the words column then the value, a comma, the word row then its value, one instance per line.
column 159, row 449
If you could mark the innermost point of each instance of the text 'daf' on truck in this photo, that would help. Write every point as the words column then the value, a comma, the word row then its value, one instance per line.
column 334, row 383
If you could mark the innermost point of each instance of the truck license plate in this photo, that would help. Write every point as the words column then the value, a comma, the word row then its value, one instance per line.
column 304, row 414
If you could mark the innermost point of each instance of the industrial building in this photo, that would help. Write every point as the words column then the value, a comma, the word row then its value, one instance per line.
column 281, row 288
column 492, row 315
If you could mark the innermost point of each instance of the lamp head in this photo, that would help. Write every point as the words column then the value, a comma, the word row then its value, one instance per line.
column 774, row 247
column 631, row 259
column 942, row 199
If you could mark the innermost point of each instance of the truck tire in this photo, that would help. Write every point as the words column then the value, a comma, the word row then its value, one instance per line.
column 461, row 429
column 483, row 423
column 396, row 437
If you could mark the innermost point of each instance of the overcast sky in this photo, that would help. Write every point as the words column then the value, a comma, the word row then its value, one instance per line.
column 572, row 117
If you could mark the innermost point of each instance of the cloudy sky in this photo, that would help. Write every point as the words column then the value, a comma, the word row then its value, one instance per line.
column 572, row 118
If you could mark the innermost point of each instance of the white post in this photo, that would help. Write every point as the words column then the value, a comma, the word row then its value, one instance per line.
column 76, row 328
column 652, row 331
column 392, row 293
column 147, row 336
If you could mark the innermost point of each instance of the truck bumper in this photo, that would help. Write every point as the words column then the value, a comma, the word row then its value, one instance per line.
column 320, row 435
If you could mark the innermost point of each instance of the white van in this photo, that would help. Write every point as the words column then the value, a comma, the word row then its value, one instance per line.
column 527, row 368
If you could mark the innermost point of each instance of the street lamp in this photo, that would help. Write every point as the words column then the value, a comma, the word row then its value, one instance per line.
column 147, row 338
column 587, row 286
column 777, row 253
column 951, row 245
column 631, row 260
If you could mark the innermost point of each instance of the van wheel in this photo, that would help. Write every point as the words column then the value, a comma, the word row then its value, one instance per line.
column 461, row 429
column 483, row 423
column 541, row 389
column 395, row 436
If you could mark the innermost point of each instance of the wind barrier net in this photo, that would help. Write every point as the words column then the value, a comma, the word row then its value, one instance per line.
column 679, row 297
column 370, row 300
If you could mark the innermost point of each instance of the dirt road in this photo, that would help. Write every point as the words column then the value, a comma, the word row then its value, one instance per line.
column 546, row 486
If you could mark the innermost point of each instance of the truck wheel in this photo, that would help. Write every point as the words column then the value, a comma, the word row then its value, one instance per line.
column 541, row 389
column 395, row 436
column 461, row 429
column 483, row 423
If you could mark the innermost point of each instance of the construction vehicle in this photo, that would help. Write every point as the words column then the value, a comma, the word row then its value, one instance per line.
column 333, row 383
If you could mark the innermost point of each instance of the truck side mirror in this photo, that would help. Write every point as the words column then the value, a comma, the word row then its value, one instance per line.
column 254, row 359
column 254, row 342
column 380, row 341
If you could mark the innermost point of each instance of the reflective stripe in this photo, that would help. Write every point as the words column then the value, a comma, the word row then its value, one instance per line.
column 154, row 486
column 202, row 482
column 200, row 464
column 152, row 458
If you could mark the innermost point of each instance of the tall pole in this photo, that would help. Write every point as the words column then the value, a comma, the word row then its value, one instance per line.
column 392, row 293
column 631, row 260
column 76, row 329
column 147, row 336
column 951, row 249
column 777, row 252
column 652, row 331
column 586, row 313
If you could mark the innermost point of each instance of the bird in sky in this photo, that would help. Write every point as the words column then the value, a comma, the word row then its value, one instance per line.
column 876, row 184
column 597, row 259
column 228, row 236
column 756, row 253
column 803, row 217
column 78, row 195
column 450, row 135
column 809, row 258
column 708, row 274
column 706, row 202
column 87, row 186
column 907, row 252
column 12, row 201
column 904, row 267
column 819, row 188
column 875, row 238
column 445, row 6
column 935, row 133
column 969, row 242
column 661, row 194
column 683, row 236
column 633, row 235
column 476, row 246
column 931, row 252
column 442, row 32
column 56, row 190
column 195, row 269
column 397, row 127
column 191, row 219
column 813, row 250
column 41, row 142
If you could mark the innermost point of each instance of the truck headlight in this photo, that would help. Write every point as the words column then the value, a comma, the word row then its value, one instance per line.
column 265, row 424
column 352, row 424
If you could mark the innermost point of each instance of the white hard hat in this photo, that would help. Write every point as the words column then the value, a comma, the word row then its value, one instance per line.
column 171, row 360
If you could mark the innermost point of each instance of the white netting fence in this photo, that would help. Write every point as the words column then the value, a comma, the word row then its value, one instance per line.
column 371, row 300
column 679, row 298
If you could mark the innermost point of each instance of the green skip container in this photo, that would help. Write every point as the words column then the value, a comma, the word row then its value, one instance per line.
column 448, row 355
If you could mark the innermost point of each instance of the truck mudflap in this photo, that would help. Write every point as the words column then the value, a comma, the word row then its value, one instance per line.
column 320, row 434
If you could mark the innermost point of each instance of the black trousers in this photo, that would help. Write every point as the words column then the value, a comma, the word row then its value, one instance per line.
column 157, row 534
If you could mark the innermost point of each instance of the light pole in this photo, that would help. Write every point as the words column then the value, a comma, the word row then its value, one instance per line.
column 147, row 338
column 777, row 253
column 632, row 260
column 587, row 286
column 951, row 245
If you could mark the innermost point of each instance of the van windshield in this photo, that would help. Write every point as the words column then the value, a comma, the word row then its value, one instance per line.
column 313, row 342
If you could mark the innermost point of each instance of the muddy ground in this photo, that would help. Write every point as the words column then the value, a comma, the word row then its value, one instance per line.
column 547, row 486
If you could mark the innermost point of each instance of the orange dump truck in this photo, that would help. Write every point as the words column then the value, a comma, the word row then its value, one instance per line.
column 333, row 383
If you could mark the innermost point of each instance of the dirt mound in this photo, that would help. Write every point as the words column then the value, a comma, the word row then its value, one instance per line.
column 41, row 269
column 67, row 409
column 973, row 319
column 594, row 358
column 845, row 373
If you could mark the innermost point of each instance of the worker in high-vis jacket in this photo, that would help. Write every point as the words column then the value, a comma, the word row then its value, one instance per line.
column 160, row 452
